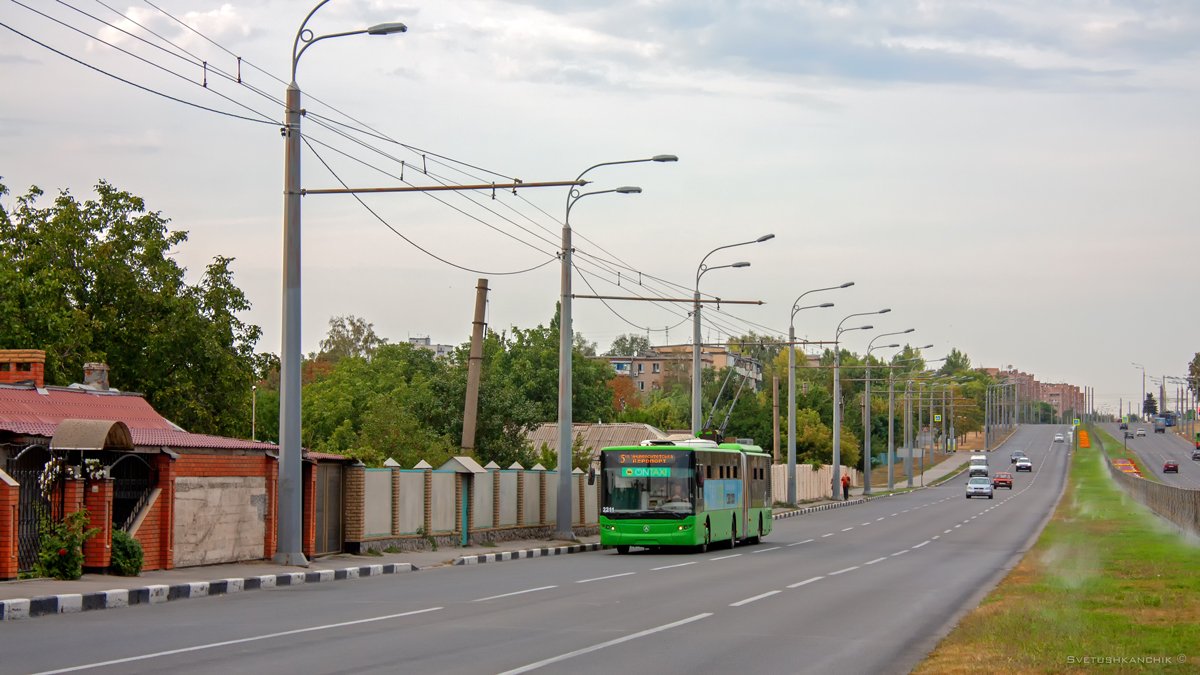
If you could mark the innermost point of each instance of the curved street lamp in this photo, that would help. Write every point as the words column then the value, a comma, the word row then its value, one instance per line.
column 289, row 524
column 566, row 343
column 837, row 394
column 697, row 349
column 867, row 464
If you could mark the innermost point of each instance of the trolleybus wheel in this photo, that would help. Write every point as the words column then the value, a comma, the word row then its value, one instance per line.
column 703, row 548
column 733, row 535
column 622, row 549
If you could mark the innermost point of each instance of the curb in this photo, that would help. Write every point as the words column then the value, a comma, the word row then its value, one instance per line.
column 838, row 505
column 13, row 610
column 526, row 553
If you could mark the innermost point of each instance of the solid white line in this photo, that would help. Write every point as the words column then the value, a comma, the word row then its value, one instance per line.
column 847, row 529
column 602, row 645
column 877, row 560
column 767, row 549
column 800, row 542
column 747, row 601
column 226, row 643
column 827, row 535
column 921, row 544
column 900, row 552
column 505, row 595
column 725, row 557
column 848, row 569
column 655, row 569
column 611, row 576
column 806, row 582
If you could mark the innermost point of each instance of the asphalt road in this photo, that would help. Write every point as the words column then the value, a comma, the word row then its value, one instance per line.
column 1156, row 449
column 863, row 589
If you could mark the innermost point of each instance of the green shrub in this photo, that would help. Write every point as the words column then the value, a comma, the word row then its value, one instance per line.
column 61, row 556
column 127, row 558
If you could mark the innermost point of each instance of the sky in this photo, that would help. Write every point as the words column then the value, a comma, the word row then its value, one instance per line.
column 1017, row 180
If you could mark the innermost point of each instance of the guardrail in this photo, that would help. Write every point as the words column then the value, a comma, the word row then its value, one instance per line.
column 1178, row 505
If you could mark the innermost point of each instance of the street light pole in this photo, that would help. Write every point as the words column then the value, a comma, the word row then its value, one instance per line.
column 697, row 415
column 1142, row 411
column 837, row 396
column 289, row 544
column 791, row 472
column 566, row 344
column 868, row 465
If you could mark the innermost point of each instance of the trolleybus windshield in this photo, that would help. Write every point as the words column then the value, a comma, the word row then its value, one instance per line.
column 650, row 483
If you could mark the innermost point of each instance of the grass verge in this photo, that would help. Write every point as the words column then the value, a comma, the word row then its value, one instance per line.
column 1116, row 450
column 1106, row 580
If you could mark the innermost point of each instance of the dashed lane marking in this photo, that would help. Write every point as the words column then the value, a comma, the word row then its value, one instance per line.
column 877, row 560
column 773, row 548
column 801, row 542
column 760, row 596
column 805, row 582
column 667, row 567
column 726, row 557
column 611, row 576
column 848, row 569
column 505, row 595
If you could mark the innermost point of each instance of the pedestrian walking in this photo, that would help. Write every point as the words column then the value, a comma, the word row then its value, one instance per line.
column 845, row 487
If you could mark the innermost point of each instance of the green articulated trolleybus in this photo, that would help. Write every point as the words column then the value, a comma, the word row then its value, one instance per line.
column 692, row 493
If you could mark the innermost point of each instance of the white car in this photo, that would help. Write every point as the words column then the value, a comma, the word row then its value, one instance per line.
column 1058, row 438
column 1141, row 432
column 1023, row 464
column 979, row 487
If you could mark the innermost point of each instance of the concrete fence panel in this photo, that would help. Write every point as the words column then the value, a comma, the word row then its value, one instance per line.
column 377, row 503
column 412, row 501
column 551, row 497
column 533, row 496
column 508, row 498
column 481, row 499
column 219, row 519
column 443, row 516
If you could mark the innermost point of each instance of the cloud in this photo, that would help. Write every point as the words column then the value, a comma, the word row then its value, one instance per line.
column 17, row 59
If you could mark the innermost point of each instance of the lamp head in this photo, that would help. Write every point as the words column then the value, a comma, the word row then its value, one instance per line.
column 825, row 304
column 848, row 284
column 883, row 311
column 910, row 330
column 891, row 346
column 629, row 190
column 740, row 264
column 664, row 158
column 763, row 238
column 387, row 29
column 866, row 327
column 927, row 347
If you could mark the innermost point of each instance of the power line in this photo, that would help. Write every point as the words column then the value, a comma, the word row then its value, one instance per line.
column 410, row 241
column 134, row 84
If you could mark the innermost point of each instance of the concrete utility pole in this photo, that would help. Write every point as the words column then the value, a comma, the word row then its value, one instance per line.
column 697, row 344
column 289, row 545
column 566, row 345
column 791, row 472
column 474, row 365
column 868, row 465
column 775, row 414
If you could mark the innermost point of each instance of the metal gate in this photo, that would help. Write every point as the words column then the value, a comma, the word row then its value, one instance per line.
column 132, row 483
column 329, row 508
column 26, row 468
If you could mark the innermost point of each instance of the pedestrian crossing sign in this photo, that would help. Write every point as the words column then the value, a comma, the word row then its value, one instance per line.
column 937, row 418
column 1076, row 422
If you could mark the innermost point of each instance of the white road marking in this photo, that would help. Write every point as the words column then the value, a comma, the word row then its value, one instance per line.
column 767, row 549
column 847, row 529
column 602, row 645
column 900, row 552
column 946, row 532
column 957, row 526
column 226, row 643
column 726, row 557
column 747, row 601
column 921, row 544
column 864, row 524
column 937, row 536
column 827, row 535
column 800, row 542
column 611, row 576
column 667, row 567
column 806, row 582
column 895, row 514
column 505, row 595
column 848, row 569
column 877, row 560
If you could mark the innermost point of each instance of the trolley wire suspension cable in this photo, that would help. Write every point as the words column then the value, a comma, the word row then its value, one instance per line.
column 134, row 84
column 410, row 241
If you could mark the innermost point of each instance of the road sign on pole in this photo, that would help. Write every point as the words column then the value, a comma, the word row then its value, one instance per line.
column 1076, row 422
column 937, row 417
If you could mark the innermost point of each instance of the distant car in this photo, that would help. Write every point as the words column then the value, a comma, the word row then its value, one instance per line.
column 1024, row 464
column 1196, row 456
column 1017, row 454
column 1171, row 466
column 1141, row 432
column 978, row 466
column 1128, row 434
column 1123, row 426
column 1059, row 438
column 979, row 487
column 1002, row 479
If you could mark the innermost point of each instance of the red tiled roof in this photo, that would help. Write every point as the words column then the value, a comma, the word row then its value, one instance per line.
column 24, row 410
column 323, row 455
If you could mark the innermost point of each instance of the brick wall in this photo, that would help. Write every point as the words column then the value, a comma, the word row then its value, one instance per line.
column 308, row 535
column 157, row 532
column 9, row 490
column 21, row 365
column 354, row 498
column 98, row 498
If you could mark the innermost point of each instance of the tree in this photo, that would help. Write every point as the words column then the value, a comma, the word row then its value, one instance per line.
column 349, row 336
column 1150, row 406
column 956, row 362
column 629, row 344
column 1194, row 374
column 625, row 395
column 95, row 281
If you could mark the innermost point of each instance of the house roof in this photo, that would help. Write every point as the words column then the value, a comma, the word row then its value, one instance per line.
column 596, row 436
column 38, row 412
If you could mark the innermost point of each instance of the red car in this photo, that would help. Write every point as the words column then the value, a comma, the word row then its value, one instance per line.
column 1002, row 480
column 1171, row 466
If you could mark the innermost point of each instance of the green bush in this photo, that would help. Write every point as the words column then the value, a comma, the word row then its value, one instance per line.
column 127, row 558
column 61, row 556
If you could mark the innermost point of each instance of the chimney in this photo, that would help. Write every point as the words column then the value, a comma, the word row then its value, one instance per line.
column 22, row 366
column 95, row 375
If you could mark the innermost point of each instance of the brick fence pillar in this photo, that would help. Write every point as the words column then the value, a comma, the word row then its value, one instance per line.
column 542, row 497
column 9, row 489
column 98, row 498
column 582, row 500
column 520, row 496
column 428, row 502
column 309, row 527
column 355, row 497
column 496, row 498
column 165, row 464
column 459, row 521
